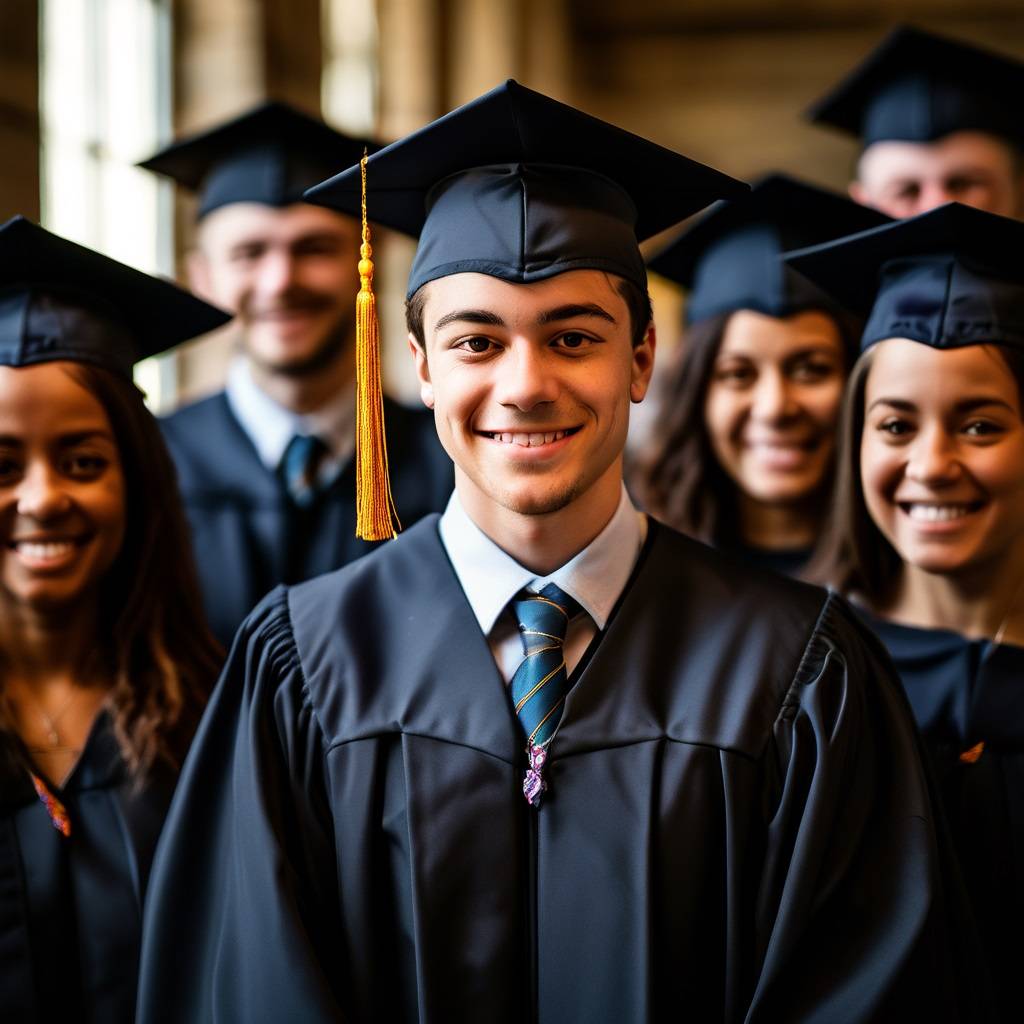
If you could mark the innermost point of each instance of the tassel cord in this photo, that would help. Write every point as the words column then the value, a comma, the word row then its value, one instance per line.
column 376, row 517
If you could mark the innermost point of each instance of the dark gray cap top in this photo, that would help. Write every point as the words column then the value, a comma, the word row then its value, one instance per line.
column 59, row 300
column 947, row 278
column 916, row 86
column 730, row 259
column 270, row 154
column 519, row 186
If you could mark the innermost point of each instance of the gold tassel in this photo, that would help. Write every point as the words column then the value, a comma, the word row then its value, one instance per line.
column 375, row 508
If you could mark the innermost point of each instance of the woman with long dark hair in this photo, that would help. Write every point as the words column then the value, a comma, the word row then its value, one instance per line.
column 743, row 454
column 927, row 534
column 105, row 658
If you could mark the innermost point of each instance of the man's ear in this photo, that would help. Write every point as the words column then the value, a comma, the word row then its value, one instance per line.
column 643, row 365
column 419, row 356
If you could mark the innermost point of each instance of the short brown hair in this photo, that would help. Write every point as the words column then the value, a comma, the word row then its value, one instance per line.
column 637, row 300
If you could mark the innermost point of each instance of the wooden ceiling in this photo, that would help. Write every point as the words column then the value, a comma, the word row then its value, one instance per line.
column 615, row 17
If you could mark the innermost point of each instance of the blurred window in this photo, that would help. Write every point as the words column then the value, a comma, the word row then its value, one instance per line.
column 349, row 80
column 105, row 84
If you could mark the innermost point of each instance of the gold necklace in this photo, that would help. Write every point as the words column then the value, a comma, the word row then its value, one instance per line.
column 51, row 721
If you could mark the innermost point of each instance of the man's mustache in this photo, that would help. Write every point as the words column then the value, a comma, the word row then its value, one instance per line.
column 300, row 301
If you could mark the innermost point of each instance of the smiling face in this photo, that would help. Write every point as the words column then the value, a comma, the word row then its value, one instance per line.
column 62, row 490
column 289, row 275
column 531, row 386
column 773, row 402
column 906, row 178
column 942, row 454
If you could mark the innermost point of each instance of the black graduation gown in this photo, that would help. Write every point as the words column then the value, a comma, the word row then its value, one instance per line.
column 785, row 561
column 248, row 536
column 964, row 692
column 738, row 826
column 71, row 908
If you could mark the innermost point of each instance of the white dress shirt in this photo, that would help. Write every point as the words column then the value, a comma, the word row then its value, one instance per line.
column 490, row 578
column 271, row 426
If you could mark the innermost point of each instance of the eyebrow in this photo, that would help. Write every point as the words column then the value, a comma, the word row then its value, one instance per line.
column 573, row 310
column 242, row 244
column 967, row 405
column 327, row 238
column 811, row 348
column 970, row 404
column 86, row 435
column 68, row 440
column 470, row 316
column 968, row 172
column 570, row 311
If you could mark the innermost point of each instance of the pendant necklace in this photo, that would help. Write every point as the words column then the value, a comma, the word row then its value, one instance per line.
column 55, row 809
column 51, row 722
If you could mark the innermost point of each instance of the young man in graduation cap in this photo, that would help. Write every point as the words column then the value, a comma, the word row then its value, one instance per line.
column 939, row 121
column 543, row 758
column 266, row 466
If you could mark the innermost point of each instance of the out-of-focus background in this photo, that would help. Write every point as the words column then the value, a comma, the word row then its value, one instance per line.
column 87, row 87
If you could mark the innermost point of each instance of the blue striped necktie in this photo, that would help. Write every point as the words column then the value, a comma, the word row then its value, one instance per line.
column 540, row 684
column 299, row 466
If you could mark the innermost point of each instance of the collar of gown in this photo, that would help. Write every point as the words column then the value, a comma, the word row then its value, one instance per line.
column 271, row 426
column 491, row 577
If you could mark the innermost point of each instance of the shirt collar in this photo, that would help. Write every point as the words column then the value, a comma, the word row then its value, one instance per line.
column 490, row 577
column 271, row 426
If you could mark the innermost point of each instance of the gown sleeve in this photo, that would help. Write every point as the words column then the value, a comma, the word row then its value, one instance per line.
column 240, row 920
column 861, row 913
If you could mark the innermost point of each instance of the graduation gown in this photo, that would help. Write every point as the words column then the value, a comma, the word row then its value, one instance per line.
column 738, row 826
column 786, row 562
column 248, row 535
column 964, row 692
column 71, row 908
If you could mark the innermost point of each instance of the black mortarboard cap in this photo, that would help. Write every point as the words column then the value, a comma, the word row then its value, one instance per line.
column 521, row 187
column 59, row 300
column 918, row 87
column 270, row 155
column 947, row 278
column 730, row 259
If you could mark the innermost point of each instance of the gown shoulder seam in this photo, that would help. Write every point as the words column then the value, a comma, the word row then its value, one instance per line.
column 815, row 655
column 285, row 651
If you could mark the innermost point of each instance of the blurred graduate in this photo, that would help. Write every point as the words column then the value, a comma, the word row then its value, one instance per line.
column 106, row 659
column 266, row 466
column 542, row 758
column 927, row 532
column 744, row 452
column 938, row 121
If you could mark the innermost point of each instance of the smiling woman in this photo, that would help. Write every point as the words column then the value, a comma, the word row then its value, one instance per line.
column 105, row 659
column 61, row 489
column 927, row 533
column 744, row 458
column 942, row 451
